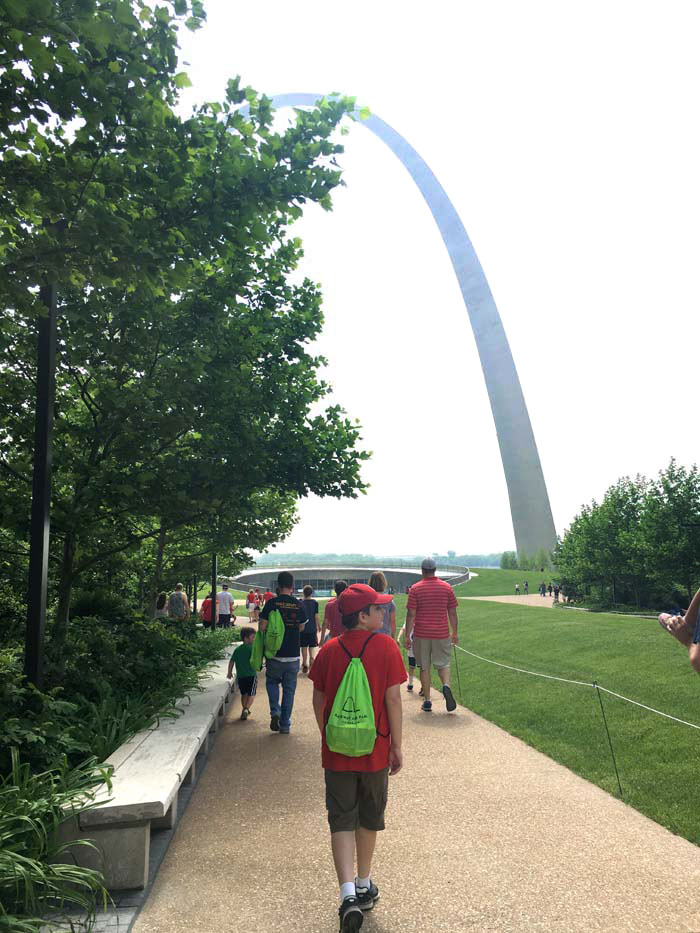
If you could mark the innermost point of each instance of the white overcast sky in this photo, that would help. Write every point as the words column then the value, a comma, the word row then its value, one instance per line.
column 567, row 136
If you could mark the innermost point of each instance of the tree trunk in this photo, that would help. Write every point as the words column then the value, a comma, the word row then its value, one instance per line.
column 158, row 574
column 65, row 585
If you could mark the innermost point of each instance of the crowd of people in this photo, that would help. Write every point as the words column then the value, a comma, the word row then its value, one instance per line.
column 544, row 589
column 359, row 627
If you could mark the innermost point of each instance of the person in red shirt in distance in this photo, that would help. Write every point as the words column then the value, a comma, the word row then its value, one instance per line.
column 332, row 620
column 356, row 788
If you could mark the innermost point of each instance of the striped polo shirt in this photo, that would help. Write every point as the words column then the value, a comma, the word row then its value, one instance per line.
column 431, row 597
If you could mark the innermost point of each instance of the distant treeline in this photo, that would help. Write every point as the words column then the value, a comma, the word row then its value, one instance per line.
column 304, row 557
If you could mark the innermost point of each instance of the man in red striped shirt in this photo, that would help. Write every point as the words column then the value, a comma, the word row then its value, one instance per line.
column 431, row 603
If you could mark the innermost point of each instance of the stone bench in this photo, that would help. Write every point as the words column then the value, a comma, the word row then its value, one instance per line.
column 148, row 772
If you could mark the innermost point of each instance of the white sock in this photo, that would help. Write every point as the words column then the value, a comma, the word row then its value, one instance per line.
column 410, row 678
column 347, row 890
column 362, row 883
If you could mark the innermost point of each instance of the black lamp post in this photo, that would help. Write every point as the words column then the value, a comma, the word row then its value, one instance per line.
column 41, row 490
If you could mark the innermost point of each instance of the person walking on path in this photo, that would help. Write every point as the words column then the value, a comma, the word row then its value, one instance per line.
column 246, row 678
column 526, row 588
column 258, row 601
column 161, row 610
column 282, row 670
column 225, row 607
column 267, row 595
column 431, row 602
column 332, row 621
column 517, row 589
column 309, row 636
column 409, row 653
column 357, row 786
column 250, row 605
column 378, row 582
column 205, row 612
column 178, row 604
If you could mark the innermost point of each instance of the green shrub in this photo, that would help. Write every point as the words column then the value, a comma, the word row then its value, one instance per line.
column 102, row 604
column 32, row 880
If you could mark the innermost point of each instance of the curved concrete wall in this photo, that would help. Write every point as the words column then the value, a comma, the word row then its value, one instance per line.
column 531, row 513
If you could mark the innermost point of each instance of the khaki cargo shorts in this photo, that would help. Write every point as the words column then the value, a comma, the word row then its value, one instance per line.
column 432, row 651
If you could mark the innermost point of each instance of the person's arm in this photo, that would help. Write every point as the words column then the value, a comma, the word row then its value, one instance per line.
column 452, row 614
column 187, row 606
column 394, row 711
column 410, row 619
column 262, row 619
column 318, row 622
column 229, row 675
column 319, row 707
column 392, row 622
column 325, row 625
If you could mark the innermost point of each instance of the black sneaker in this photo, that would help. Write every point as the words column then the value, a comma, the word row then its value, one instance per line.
column 450, row 701
column 275, row 723
column 351, row 916
column 427, row 706
column 366, row 897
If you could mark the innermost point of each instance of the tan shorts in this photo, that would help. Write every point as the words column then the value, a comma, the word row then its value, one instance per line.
column 356, row 798
column 432, row 651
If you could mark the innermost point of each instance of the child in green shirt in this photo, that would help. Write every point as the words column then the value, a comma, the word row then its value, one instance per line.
column 246, row 678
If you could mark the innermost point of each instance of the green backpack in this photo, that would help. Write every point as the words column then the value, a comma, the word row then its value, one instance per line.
column 351, row 729
column 266, row 644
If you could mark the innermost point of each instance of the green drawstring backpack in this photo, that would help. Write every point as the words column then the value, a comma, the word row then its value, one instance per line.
column 351, row 729
column 268, row 643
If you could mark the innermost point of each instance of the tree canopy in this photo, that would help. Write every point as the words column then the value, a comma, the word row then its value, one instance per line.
column 188, row 405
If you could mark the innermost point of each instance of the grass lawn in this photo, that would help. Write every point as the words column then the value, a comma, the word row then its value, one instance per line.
column 657, row 759
column 502, row 582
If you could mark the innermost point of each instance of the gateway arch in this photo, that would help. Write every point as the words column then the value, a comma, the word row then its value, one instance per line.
column 529, row 502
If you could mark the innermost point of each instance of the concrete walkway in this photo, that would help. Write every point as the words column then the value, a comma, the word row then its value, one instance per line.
column 532, row 599
column 484, row 834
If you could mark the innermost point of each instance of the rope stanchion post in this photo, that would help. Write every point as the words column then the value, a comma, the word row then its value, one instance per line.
column 459, row 681
column 607, row 732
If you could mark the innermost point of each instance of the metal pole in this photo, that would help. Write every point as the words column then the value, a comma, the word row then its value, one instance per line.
column 607, row 732
column 41, row 490
column 194, row 598
column 214, row 614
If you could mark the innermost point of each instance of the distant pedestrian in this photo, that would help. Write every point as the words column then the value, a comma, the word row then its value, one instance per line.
column 332, row 622
column 205, row 611
column 309, row 635
column 378, row 582
column 250, row 605
column 246, row 678
column 357, row 784
column 225, row 607
column 556, row 592
column 283, row 668
column 178, row 604
column 267, row 595
column 526, row 587
column 258, row 600
column 431, row 603
column 409, row 654
column 543, row 589
column 161, row 610
column 517, row 589
column 549, row 589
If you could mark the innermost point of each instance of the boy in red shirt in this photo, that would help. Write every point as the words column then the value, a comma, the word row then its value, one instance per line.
column 356, row 788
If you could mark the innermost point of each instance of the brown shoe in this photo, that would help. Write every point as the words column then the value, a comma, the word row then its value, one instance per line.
column 305, row 669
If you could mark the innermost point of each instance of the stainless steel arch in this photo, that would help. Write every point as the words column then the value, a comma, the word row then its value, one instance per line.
column 529, row 502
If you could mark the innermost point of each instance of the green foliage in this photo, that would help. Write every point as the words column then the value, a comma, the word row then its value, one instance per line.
column 168, row 240
column 509, row 560
column 32, row 880
column 640, row 545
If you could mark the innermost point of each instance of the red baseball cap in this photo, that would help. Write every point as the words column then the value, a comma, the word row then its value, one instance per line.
column 358, row 596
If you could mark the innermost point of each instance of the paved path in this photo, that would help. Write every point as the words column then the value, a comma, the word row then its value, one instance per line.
column 484, row 834
column 532, row 599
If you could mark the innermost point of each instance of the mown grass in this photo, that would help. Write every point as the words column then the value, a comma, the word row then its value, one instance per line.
column 502, row 582
column 657, row 758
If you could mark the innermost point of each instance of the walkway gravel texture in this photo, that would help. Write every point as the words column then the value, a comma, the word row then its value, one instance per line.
column 483, row 834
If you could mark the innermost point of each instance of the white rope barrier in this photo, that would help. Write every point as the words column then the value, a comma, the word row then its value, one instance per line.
column 580, row 683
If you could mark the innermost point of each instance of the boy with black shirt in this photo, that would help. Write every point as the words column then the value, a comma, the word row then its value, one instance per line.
column 282, row 670
column 356, row 787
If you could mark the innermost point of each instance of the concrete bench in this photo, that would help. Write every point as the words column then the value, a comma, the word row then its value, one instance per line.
column 148, row 772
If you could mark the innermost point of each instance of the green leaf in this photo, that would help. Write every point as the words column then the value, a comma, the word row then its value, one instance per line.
column 182, row 80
